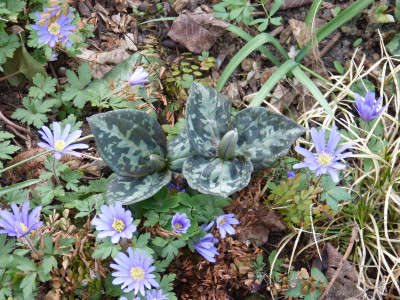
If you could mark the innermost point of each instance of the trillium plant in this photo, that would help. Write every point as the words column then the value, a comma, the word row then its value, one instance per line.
column 215, row 154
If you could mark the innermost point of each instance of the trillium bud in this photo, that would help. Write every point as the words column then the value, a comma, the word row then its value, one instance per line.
column 157, row 163
column 228, row 143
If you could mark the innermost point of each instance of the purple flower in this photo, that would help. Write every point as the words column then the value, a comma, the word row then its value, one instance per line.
column 224, row 224
column 21, row 222
column 291, row 174
column 138, row 77
column 366, row 108
column 206, row 247
column 326, row 158
column 134, row 271
column 54, row 28
column 115, row 222
column 180, row 223
column 60, row 141
column 156, row 295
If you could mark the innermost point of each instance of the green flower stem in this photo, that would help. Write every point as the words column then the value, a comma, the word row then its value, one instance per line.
column 30, row 244
column 58, row 182
column 319, row 179
column 124, row 244
column 24, row 161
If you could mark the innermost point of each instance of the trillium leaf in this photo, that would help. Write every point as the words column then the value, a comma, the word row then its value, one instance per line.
column 264, row 135
column 207, row 118
column 217, row 176
column 130, row 190
column 126, row 139
column 178, row 150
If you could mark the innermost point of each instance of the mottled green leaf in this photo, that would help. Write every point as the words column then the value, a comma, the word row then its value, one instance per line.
column 129, row 190
column 207, row 117
column 178, row 150
column 264, row 135
column 216, row 176
column 126, row 139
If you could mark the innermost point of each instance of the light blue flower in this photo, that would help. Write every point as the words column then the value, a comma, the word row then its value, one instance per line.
column 206, row 247
column 116, row 222
column 224, row 224
column 291, row 174
column 180, row 223
column 367, row 107
column 156, row 295
column 134, row 271
column 60, row 142
column 327, row 158
column 138, row 77
column 21, row 222
column 55, row 27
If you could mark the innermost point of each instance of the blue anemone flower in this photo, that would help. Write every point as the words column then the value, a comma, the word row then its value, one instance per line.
column 367, row 107
column 180, row 223
column 21, row 222
column 327, row 158
column 138, row 77
column 133, row 270
column 54, row 28
column 116, row 222
column 60, row 142
column 224, row 224
column 156, row 295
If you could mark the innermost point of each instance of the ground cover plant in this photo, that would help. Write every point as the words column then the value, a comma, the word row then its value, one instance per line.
column 199, row 149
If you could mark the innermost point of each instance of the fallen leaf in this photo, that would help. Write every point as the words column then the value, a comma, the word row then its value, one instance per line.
column 190, row 30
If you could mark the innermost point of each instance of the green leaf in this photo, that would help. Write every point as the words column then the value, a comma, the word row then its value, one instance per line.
column 376, row 15
column 171, row 249
column 35, row 112
column 23, row 63
column 48, row 192
column 362, row 86
column 77, row 84
column 152, row 218
column 8, row 44
column 5, row 250
column 72, row 179
column 333, row 194
column 207, row 117
column 215, row 176
column 141, row 243
column 16, row 187
column 129, row 190
column 106, row 249
column 28, row 284
column 43, row 85
column 264, row 135
column 159, row 241
column 49, row 262
column 85, row 207
column 178, row 150
column 111, row 289
column 277, row 4
column 25, row 264
column 358, row 42
column 126, row 138
column 338, row 67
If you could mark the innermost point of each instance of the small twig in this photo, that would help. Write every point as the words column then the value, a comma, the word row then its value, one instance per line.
column 16, row 132
column 344, row 258
column 3, row 117
column 10, row 75
column 330, row 45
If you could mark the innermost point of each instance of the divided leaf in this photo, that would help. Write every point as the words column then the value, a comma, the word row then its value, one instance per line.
column 264, row 135
column 130, row 190
column 126, row 139
column 207, row 117
column 216, row 176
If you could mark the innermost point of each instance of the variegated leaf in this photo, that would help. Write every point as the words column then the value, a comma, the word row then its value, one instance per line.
column 126, row 138
column 217, row 176
column 129, row 190
column 207, row 117
column 178, row 150
column 264, row 135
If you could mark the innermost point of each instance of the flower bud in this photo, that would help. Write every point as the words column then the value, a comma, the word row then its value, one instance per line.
column 228, row 143
column 157, row 163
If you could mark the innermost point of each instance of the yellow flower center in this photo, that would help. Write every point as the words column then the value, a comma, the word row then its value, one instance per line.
column 59, row 145
column 178, row 226
column 118, row 225
column 324, row 159
column 24, row 228
column 137, row 273
column 223, row 221
column 54, row 28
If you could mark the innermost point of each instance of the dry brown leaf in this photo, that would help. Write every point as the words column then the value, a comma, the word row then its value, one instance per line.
column 197, row 32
